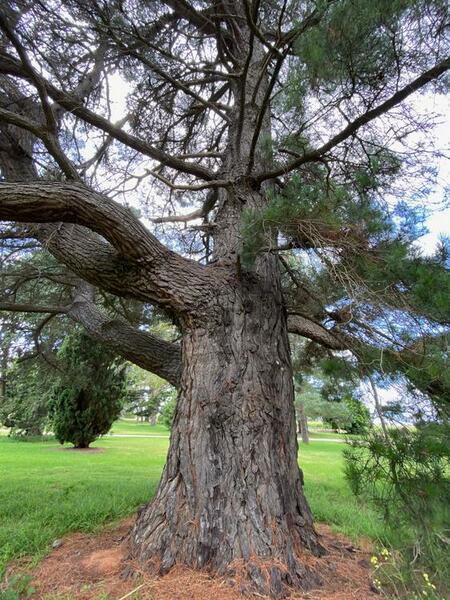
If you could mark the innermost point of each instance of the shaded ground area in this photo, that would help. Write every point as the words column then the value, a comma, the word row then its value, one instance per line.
column 92, row 567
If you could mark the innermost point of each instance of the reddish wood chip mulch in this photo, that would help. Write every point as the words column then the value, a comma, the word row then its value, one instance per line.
column 86, row 566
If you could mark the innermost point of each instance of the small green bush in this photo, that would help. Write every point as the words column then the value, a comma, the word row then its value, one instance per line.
column 87, row 397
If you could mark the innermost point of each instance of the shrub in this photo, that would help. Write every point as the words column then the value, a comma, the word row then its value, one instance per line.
column 405, row 473
column 87, row 397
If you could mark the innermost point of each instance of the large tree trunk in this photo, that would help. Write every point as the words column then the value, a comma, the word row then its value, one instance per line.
column 231, row 493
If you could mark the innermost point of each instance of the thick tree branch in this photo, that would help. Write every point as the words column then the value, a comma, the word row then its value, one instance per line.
column 71, row 103
column 142, row 348
column 152, row 272
column 12, row 118
column 41, row 202
column 33, row 308
column 49, row 140
column 316, row 332
column 95, row 261
column 137, row 265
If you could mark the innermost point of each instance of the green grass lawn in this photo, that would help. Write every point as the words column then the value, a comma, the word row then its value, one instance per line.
column 46, row 491
column 329, row 435
column 131, row 427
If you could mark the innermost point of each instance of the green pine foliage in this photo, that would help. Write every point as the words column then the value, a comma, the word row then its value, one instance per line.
column 87, row 397
column 353, row 44
column 405, row 473
column 313, row 209
column 424, row 365
column 25, row 407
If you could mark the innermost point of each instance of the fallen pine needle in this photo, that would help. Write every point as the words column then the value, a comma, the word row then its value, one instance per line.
column 132, row 591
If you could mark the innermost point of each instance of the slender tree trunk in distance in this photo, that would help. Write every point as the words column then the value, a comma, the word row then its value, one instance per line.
column 4, row 361
column 303, row 423
column 3, row 381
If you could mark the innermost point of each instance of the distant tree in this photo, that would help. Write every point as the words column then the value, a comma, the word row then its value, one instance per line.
column 24, row 406
column 360, row 421
column 335, row 401
column 145, row 394
column 88, row 395
column 346, row 394
column 5, row 355
column 143, row 402
column 168, row 410
column 302, row 420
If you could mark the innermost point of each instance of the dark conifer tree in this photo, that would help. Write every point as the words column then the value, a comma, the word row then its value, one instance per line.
column 87, row 396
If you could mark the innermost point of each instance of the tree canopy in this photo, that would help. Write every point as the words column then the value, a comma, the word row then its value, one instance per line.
column 353, row 280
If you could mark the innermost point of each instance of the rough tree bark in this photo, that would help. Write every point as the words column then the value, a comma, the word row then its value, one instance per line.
column 231, row 493
column 232, row 490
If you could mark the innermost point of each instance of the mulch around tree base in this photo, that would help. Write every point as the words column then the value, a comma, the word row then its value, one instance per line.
column 87, row 566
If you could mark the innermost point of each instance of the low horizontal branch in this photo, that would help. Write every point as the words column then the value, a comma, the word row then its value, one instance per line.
column 140, row 347
column 32, row 308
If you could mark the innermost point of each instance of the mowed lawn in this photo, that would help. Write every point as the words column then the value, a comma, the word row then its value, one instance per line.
column 47, row 491
column 131, row 427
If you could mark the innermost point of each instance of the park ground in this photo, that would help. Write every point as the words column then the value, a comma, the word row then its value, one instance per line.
column 48, row 492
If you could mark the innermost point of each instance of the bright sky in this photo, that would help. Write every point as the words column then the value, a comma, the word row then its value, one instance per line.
column 439, row 222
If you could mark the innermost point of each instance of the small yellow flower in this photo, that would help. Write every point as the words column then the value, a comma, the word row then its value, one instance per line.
column 426, row 577
column 385, row 552
column 374, row 560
